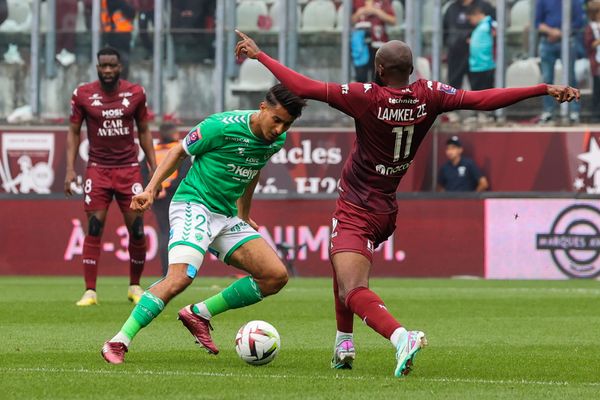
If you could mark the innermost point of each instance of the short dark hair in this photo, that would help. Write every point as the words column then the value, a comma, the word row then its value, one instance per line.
column 279, row 94
column 475, row 8
column 108, row 51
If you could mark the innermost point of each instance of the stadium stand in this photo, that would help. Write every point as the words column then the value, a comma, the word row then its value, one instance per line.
column 519, row 16
column 319, row 15
column 248, row 12
column 523, row 73
column 253, row 77
column 19, row 17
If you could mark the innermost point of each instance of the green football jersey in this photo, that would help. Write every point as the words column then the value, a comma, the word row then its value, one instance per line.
column 227, row 156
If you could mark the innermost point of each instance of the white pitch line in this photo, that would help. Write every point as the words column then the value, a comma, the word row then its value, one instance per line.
column 303, row 377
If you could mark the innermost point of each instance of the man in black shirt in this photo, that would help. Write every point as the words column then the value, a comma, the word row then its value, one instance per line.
column 457, row 30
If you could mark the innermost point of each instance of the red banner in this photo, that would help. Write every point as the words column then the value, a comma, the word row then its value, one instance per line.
column 33, row 161
column 438, row 238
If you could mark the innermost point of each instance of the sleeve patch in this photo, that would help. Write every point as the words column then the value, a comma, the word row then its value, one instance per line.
column 442, row 87
column 193, row 136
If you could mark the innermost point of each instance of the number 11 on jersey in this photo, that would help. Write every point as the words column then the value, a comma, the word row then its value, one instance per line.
column 400, row 131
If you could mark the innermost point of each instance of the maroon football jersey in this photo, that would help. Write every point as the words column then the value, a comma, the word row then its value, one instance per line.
column 110, row 119
column 390, row 126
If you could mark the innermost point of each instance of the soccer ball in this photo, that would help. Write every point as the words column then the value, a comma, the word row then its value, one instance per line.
column 257, row 342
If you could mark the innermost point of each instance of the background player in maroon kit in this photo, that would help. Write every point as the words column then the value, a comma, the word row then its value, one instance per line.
column 391, row 118
column 109, row 107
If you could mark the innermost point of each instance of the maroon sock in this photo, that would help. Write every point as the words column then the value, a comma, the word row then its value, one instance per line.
column 137, row 259
column 91, row 255
column 370, row 308
column 344, row 317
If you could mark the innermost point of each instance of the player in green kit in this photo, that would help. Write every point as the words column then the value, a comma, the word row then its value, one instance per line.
column 210, row 211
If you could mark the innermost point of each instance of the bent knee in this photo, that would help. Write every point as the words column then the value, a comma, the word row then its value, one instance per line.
column 274, row 283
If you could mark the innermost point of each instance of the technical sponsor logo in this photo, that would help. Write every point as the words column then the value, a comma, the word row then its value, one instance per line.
column 396, row 170
column 574, row 241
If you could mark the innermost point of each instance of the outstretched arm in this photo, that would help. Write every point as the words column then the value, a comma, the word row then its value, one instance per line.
column 299, row 84
column 492, row 99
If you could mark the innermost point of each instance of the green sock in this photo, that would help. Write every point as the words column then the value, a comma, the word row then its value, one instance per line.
column 144, row 312
column 240, row 293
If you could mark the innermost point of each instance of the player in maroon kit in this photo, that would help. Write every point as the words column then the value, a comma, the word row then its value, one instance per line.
column 109, row 107
column 392, row 116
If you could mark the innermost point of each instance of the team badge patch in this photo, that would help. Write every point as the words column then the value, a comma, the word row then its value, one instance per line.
column 442, row 87
column 193, row 137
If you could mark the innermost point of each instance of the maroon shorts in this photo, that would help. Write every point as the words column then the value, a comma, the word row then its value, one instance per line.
column 101, row 184
column 357, row 230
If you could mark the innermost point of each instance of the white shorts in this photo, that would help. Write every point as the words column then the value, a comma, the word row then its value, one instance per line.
column 195, row 229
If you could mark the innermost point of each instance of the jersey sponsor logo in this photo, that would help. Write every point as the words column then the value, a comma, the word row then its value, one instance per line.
column 242, row 172
column 387, row 171
column 409, row 100
column 193, row 137
column 345, row 88
column 113, row 113
column 443, row 87
column 113, row 127
column 237, row 139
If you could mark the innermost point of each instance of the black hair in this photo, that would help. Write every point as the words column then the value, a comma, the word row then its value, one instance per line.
column 279, row 94
column 108, row 51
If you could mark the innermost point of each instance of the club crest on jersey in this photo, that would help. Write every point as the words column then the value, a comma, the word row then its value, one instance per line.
column 193, row 137
column 443, row 87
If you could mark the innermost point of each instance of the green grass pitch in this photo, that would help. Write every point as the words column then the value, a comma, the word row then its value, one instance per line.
column 487, row 340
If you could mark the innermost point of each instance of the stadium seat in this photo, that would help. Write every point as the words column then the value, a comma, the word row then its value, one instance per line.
column 319, row 15
column 253, row 77
column 19, row 16
column 247, row 13
column 275, row 17
column 80, row 23
column 422, row 68
column 395, row 29
column 519, row 16
column 523, row 73
column 339, row 18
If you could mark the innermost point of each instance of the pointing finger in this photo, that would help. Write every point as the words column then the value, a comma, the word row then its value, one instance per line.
column 241, row 34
